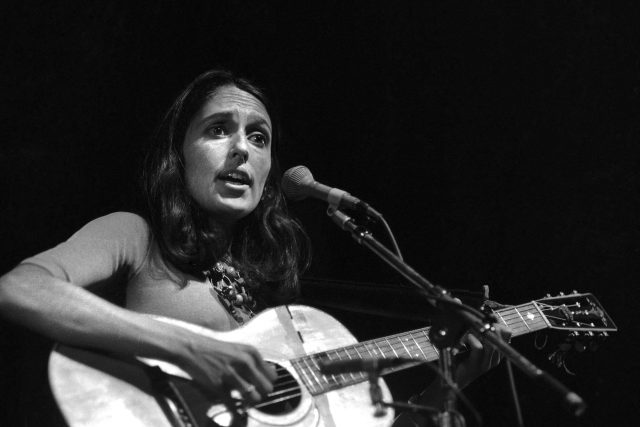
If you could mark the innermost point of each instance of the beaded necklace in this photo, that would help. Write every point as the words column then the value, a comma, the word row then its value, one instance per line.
column 230, row 288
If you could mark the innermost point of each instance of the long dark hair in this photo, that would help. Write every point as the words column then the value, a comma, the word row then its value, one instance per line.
column 268, row 246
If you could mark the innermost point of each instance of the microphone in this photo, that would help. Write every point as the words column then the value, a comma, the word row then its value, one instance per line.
column 332, row 367
column 298, row 183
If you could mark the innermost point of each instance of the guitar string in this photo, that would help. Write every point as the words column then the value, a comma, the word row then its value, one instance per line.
column 355, row 350
column 399, row 337
column 400, row 345
column 279, row 394
column 548, row 307
column 512, row 317
column 293, row 392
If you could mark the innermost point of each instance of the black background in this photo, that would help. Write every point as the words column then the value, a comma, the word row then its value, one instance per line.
column 498, row 139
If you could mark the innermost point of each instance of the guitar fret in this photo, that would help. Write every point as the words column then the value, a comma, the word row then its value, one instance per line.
column 305, row 375
column 363, row 349
column 353, row 377
column 417, row 348
column 366, row 347
column 424, row 356
column 433, row 353
column 509, row 318
column 502, row 318
column 513, row 316
column 317, row 368
column 431, row 349
column 332, row 379
column 509, row 312
column 434, row 347
column 516, row 322
column 401, row 348
column 346, row 349
column 394, row 350
column 429, row 355
column 306, row 361
column 544, row 319
column 405, row 348
column 380, row 350
column 390, row 351
column 319, row 387
column 410, row 345
column 357, row 352
column 522, row 307
column 358, row 356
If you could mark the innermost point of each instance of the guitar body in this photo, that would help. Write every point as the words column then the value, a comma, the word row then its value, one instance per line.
column 93, row 389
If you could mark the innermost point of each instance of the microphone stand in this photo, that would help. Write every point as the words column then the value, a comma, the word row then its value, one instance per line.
column 455, row 319
column 376, row 392
column 444, row 338
column 373, row 372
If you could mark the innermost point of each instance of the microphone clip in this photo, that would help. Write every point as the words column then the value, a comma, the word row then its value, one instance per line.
column 365, row 214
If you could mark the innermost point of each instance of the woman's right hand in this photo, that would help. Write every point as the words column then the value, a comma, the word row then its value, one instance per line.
column 220, row 367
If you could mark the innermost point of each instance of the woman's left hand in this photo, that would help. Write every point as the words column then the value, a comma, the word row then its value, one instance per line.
column 481, row 357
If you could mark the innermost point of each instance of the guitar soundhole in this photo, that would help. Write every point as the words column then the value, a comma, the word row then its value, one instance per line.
column 285, row 396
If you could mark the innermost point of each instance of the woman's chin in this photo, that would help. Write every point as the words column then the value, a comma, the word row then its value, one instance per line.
column 231, row 211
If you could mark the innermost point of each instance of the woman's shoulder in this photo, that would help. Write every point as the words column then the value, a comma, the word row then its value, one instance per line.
column 98, row 249
column 126, row 234
column 126, row 225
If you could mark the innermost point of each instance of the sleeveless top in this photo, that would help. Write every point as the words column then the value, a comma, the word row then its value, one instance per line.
column 116, row 257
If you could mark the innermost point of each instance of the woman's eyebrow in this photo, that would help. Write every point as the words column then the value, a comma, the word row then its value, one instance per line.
column 259, row 119
column 221, row 115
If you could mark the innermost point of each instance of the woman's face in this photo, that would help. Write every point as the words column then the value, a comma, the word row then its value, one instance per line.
column 227, row 153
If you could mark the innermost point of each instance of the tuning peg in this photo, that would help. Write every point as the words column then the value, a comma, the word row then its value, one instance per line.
column 561, row 294
column 574, row 292
column 557, row 358
column 485, row 292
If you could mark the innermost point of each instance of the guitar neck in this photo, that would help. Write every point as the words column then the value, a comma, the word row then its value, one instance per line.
column 415, row 344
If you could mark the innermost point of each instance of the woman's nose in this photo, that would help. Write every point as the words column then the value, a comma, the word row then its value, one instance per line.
column 239, row 148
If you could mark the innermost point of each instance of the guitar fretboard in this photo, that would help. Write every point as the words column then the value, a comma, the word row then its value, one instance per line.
column 414, row 344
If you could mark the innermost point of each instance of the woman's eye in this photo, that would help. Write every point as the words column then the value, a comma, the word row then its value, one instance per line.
column 217, row 131
column 259, row 139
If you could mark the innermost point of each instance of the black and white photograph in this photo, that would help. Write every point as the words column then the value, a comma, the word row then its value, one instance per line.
column 337, row 213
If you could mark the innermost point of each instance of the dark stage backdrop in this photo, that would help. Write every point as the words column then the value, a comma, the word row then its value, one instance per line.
column 498, row 139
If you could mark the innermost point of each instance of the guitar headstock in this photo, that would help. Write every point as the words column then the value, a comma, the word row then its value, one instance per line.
column 582, row 314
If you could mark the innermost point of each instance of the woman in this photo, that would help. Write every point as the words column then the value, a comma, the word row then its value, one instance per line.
column 215, row 245
column 215, row 209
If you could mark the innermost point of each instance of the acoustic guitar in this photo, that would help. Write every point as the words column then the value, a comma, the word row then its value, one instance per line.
column 97, row 389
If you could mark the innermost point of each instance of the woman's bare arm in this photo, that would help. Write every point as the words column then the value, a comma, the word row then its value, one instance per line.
column 70, row 314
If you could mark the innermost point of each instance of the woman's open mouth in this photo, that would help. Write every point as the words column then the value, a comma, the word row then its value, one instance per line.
column 235, row 178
